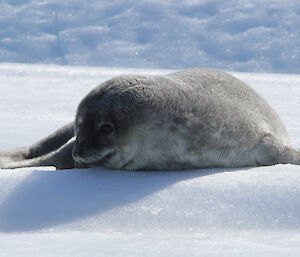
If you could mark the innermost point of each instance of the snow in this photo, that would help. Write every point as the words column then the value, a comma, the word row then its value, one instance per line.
column 248, row 35
column 216, row 212
column 98, row 212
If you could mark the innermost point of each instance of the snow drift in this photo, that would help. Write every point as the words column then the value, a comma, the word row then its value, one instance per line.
column 249, row 35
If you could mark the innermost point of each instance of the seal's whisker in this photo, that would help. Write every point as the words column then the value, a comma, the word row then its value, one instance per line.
column 107, row 161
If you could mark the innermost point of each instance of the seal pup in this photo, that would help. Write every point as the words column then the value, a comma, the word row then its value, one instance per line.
column 196, row 118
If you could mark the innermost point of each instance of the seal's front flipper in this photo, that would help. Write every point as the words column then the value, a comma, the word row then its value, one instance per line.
column 60, row 158
column 51, row 142
column 17, row 154
column 42, row 147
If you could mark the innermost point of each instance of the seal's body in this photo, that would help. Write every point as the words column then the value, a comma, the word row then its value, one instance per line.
column 198, row 118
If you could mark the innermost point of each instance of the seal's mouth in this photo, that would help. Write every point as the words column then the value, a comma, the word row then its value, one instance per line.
column 94, row 159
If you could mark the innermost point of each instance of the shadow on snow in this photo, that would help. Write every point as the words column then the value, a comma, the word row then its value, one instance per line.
column 46, row 198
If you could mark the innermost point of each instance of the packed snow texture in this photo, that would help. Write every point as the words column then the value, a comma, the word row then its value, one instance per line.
column 98, row 212
column 248, row 35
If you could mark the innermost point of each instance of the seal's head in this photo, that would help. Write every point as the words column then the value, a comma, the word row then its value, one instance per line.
column 102, row 122
column 95, row 139
column 127, row 123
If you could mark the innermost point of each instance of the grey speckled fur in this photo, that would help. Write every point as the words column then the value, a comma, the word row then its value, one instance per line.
column 195, row 118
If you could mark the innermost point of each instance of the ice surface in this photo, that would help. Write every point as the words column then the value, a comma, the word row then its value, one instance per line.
column 248, row 35
column 215, row 212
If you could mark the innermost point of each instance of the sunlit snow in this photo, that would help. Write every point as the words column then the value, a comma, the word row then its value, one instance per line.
column 215, row 212
column 248, row 35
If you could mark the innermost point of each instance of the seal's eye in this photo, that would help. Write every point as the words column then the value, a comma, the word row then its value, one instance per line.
column 106, row 128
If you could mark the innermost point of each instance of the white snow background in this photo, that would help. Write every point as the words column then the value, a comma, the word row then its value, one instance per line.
column 216, row 212
column 98, row 212
column 245, row 35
